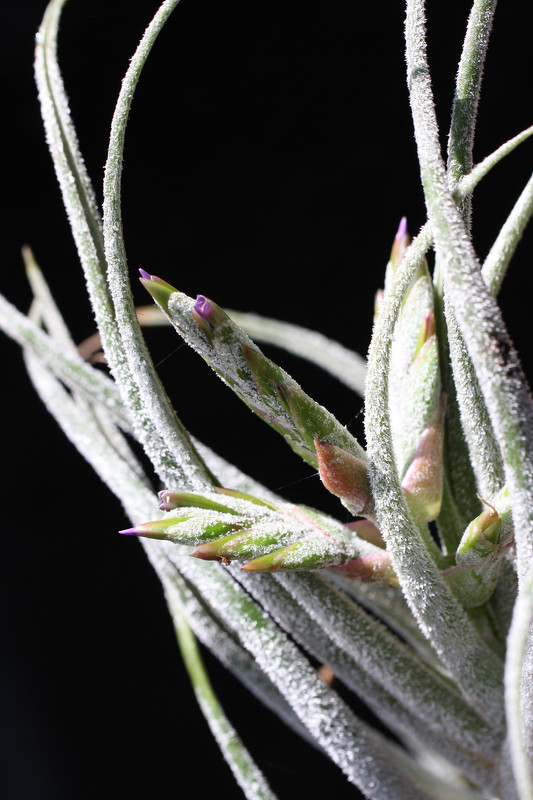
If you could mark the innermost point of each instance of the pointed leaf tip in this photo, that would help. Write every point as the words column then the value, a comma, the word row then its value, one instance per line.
column 428, row 328
column 152, row 530
column 157, row 287
column 271, row 562
column 146, row 276
column 402, row 227
column 170, row 500
column 209, row 552
column 400, row 244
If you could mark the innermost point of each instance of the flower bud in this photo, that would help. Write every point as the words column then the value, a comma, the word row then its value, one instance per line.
column 422, row 484
column 402, row 240
column 400, row 244
column 345, row 476
column 378, row 302
column 208, row 315
column 481, row 549
column 428, row 328
column 481, row 537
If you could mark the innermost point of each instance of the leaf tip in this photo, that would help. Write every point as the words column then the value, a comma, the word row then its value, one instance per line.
column 159, row 289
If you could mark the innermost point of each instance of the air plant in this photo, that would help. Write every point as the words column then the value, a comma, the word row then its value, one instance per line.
column 422, row 604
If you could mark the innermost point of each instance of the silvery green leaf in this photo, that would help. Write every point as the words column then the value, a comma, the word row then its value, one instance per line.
column 484, row 452
column 379, row 768
column 468, row 182
column 390, row 707
column 212, row 634
column 68, row 366
column 76, row 188
column 345, row 365
column 421, row 688
column 171, row 449
column 505, row 244
column 518, row 702
column 466, row 96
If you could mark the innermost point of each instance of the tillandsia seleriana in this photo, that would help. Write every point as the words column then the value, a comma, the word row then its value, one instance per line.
column 423, row 603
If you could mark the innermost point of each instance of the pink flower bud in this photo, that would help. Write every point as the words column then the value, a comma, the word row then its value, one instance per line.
column 345, row 476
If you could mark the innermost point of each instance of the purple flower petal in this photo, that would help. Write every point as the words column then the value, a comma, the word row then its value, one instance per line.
column 206, row 313
column 204, row 308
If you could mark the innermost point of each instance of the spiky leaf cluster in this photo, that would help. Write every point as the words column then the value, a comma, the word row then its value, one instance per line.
column 422, row 604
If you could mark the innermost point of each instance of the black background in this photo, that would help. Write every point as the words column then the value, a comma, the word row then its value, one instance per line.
column 269, row 158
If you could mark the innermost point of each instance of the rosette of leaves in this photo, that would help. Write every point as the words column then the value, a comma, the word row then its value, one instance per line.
column 423, row 604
